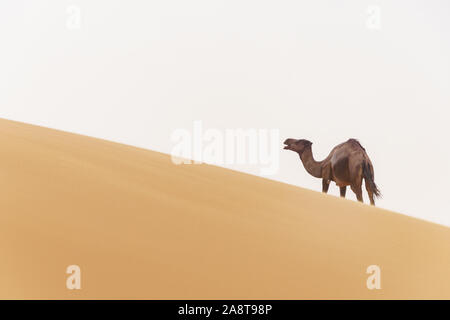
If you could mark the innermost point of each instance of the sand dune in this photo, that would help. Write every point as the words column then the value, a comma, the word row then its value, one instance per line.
column 140, row 227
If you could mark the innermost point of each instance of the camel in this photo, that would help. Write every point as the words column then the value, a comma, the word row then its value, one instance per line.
column 346, row 165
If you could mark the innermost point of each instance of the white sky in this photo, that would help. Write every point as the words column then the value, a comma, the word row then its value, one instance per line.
column 136, row 71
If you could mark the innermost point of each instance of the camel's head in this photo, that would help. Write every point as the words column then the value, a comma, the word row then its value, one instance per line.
column 298, row 146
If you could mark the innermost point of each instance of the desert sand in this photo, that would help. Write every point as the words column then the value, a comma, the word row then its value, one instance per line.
column 141, row 227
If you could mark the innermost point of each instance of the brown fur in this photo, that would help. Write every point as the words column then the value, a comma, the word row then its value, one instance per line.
column 347, row 165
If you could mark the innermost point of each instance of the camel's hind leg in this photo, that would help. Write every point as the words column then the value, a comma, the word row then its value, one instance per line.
column 343, row 190
column 369, row 192
column 357, row 183
column 358, row 191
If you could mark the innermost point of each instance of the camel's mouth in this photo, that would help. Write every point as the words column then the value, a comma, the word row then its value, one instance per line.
column 287, row 144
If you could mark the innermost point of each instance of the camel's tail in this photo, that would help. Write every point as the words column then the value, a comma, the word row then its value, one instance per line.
column 368, row 176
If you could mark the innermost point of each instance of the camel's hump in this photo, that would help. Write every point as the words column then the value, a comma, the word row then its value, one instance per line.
column 355, row 142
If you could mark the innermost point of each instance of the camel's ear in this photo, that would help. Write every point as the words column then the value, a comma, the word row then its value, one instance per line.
column 308, row 143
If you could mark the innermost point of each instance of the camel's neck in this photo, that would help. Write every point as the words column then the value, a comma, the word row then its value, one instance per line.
column 313, row 167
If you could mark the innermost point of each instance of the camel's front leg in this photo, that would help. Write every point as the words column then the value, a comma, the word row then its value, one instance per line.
column 325, row 185
column 343, row 190
column 326, row 178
